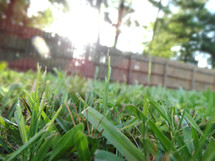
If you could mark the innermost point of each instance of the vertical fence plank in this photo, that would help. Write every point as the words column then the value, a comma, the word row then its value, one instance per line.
column 165, row 74
column 129, row 76
column 193, row 78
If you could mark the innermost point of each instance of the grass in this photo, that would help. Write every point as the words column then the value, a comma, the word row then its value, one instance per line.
column 46, row 116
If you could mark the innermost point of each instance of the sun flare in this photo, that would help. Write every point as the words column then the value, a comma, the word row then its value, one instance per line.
column 80, row 24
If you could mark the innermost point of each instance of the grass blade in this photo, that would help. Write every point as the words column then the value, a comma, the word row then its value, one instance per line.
column 25, row 146
column 210, row 152
column 82, row 146
column 160, row 109
column 4, row 145
column 65, row 142
column 106, row 90
column 40, row 155
column 6, row 123
column 192, row 122
column 50, row 124
column 21, row 123
column 112, row 134
column 102, row 155
column 164, row 140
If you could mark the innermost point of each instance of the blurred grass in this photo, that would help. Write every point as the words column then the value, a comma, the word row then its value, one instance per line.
column 51, row 116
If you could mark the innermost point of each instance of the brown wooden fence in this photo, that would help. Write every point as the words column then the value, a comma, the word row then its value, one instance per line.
column 126, row 67
column 131, row 68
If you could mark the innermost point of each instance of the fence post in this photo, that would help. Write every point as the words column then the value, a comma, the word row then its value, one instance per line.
column 193, row 79
column 165, row 74
column 129, row 69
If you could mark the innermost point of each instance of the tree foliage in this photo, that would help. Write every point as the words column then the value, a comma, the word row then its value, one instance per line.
column 188, row 24
column 16, row 12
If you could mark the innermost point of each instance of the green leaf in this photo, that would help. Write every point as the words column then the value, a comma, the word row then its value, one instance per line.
column 106, row 90
column 78, row 100
column 184, row 150
column 102, row 155
column 5, row 122
column 195, row 137
column 42, row 152
column 82, row 146
column 160, row 109
column 4, row 144
column 21, row 123
column 192, row 122
column 164, row 140
column 65, row 142
column 34, row 138
column 113, row 135
column 61, row 123
column 25, row 146
column 50, row 124
column 2, row 158
column 210, row 152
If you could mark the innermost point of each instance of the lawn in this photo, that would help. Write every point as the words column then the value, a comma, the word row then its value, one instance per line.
column 51, row 116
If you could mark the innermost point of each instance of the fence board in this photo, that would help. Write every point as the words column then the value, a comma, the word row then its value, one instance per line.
column 179, row 73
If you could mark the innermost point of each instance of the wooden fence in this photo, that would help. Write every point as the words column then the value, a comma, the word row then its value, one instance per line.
column 16, row 48
column 133, row 68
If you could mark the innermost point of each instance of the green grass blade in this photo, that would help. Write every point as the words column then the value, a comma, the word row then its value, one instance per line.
column 102, row 155
column 210, row 152
column 160, row 109
column 62, row 124
column 82, row 146
column 195, row 138
column 192, row 122
column 146, row 106
column 21, row 123
column 164, row 140
column 34, row 138
column 78, row 100
column 184, row 151
column 47, row 120
column 42, row 152
column 106, row 90
column 2, row 158
column 4, row 145
column 112, row 134
column 50, row 124
column 25, row 146
column 65, row 142
column 6, row 123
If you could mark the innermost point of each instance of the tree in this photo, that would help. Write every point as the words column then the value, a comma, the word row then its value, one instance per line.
column 189, row 25
column 15, row 12
column 206, row 38
column 123, row 8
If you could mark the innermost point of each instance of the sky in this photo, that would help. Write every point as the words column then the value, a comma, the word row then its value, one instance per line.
column 83, row 29
column 74, row 26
